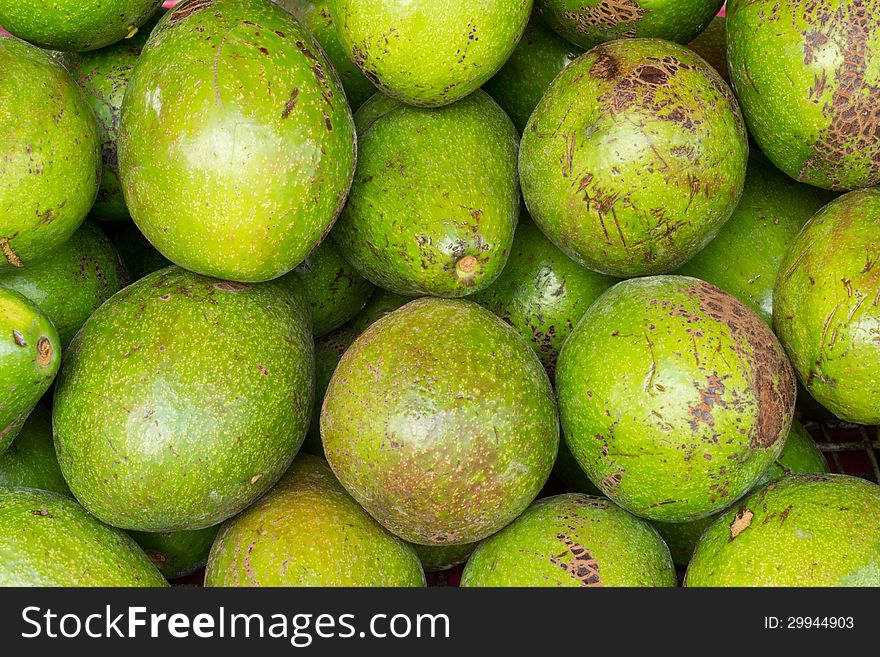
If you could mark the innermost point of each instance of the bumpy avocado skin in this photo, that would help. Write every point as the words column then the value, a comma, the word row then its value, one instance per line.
column 73, row 281
column 50, row 540
column 429, row 53
column 520, row 84
column 177, row 554
column 542, row 292
column 826, row 306
column 674, row 397
column 572, row 540
column 183, row 399
column 309, row 532
column 711, row 45
column 441, row 422
column 30, row 460
column 437, row 558
column 336, row 292
column 634, row 158
column 744, row 257
column 242, row 78
column 138, row 255
column 435, row 200
column 30, row 355
column 51, row 163
column 76, row 24
column 807, row 75
column 316, row 18
column 803, row 530
column 799, row 455
column 591, row 22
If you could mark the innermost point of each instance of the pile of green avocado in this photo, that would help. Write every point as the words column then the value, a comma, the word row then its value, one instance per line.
column 344, row 292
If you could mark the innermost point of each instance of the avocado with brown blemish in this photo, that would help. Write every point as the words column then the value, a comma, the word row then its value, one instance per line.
column 309, row 532
column 73, row 281
column 803, row 530
column 634, row 158
column 177, row 554
column 441, row 422
column 236, row 144
column 711, row 45
column 429, row 53
column 826, row 309
column 674, row 396
column 435, row 200
column 51, row 162
column 30, row 460
column 591, row 22
column 572, row 540
column 183, row 399
column 807, row 75
column 138, row 255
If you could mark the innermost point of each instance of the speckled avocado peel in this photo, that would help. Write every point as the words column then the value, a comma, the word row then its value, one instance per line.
column 807, row 75
column 246, row 77
column 30, row 460
column 155, row 431
column 674, row 397
column 572, row 540
column 429, row 52
column 441, row 422
column 634, row 158
column 803, row 530
column 435, row 200
column 309, row 532
column 51, row 164
column 826, row 306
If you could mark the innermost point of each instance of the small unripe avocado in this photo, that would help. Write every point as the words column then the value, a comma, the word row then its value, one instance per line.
column 803, row 530
column 183, row 399
column 50, row 540
column 711, row 45
column 30, row 460
column 572, row 540
column 634, row 158
column 177, row 554
column 380, row 304
column 309, row 532
column 436, row 558
column 674, row 397
column 826, row 310
column 441, row 422
column 429, row 52
column 138, row 255
column 51, row 162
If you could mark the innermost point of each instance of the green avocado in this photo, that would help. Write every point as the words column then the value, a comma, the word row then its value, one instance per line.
column 435, row 200
column 522, row 81
column 75, row 24
column 183, row 399
column 542, row 292
column 380, row 304
column 572, row 540
column 315, row 17
column 138, row 255
column 30, row 461
column 807, row 75
column 803, row 530
column 30, row 355
column 826, row 311
column 591, row 22
column 429, row 52
column 177, row 554
column 244, row 79
column 437, row 558
column 51, row 163
column 674, row 397
column 73, row 281
column 441, row 422
column 711, row 45
column 336, row 292
column 571, row 474
column 49, row 540
column 799, row 455
column 744, row 257
column 309, row 532
column 634, row 158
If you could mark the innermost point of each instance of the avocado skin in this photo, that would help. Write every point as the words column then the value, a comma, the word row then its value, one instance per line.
column 50, row 540
column 183, row 399
column 711, row 45
column 138, row 255
column 30, row 460
column 177, row 554
column 73, row 282
column 30, row 355
column 572, row 540
column 437, row 558
column 51, row 166
column 824, row 312
column 802, row 530
column 441, row 422
column 309, row 532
